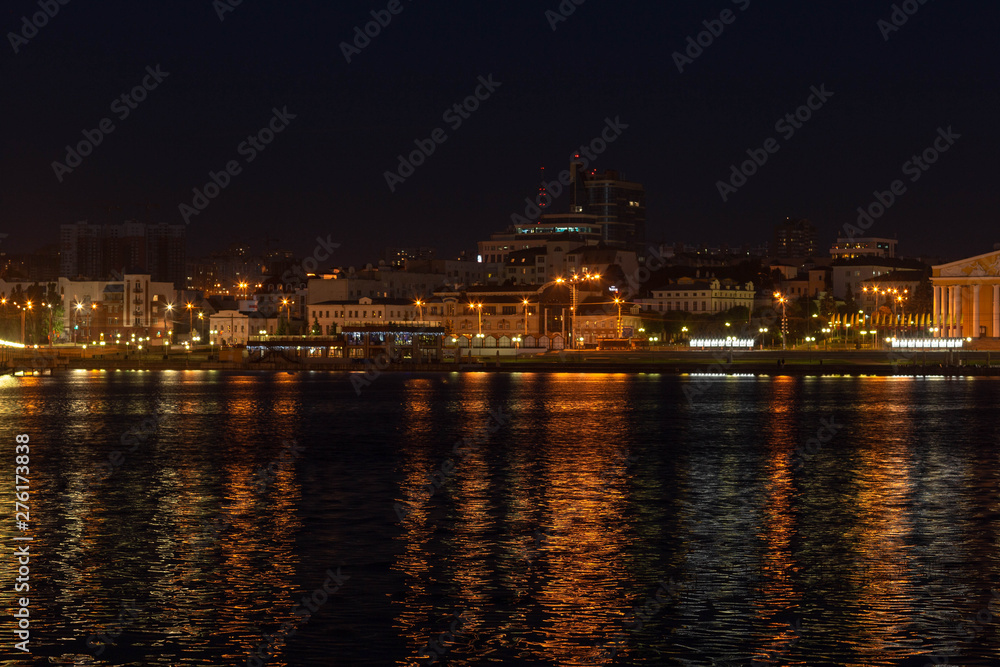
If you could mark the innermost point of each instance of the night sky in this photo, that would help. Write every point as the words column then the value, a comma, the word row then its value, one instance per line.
column 324, row 173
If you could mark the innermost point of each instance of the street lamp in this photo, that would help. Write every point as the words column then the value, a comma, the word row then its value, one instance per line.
column 479, row 309
column 517, row 343
column 573, row 280
column 288, row 317
column 782, row 299
column 420, row 309
column 524, row 312
column 24, row 314
column 762, row 331
column 618, row 329
column 166, row 314
column 76, row 327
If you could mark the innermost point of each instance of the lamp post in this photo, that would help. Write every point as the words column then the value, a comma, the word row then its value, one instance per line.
column 900, row 299
column 572, row 281
column 782, row 299
column 288, row 317
column 166, row 313
column 762, row 331
column 618, row 327
column 517, row 344
column 524, row 312
column 76, row 327
column 479, row 309
column 24, row 314
column 420, row 310
column 49, row 333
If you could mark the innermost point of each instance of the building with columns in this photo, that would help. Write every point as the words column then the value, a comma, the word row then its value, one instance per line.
column 967, row 297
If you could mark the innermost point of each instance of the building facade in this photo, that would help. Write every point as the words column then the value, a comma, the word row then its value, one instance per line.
column 967, row 297
column 105, row 309
column 100, row 252
column 846, row 248
column 795, row 239
column 693, row 296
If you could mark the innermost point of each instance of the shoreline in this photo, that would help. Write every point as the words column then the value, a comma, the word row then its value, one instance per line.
column 799, row 363
column 666, row 368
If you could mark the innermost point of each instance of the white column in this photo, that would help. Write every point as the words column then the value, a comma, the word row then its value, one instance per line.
column 949, row 308
column 975, row 311
column 936, row 311
column 996, row 311
column 958, row 311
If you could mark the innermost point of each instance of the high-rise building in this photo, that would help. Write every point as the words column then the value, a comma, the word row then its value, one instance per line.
column 869, row 246
column 398, row 257
column 602, row 208
column 98, row 252
column 618, row 204
column 795, row 239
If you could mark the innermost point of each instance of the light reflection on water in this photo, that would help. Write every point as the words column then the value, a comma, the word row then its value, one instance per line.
column 547, row 539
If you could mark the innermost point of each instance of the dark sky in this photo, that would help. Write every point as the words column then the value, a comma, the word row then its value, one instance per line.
column 323, row 175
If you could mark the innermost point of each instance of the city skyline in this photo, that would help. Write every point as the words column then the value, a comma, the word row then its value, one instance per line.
column 301, row 140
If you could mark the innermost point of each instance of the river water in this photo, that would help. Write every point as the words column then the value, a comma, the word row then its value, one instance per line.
column 179, row 518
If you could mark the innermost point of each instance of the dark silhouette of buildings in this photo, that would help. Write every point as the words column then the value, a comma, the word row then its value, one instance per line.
column 99, row 251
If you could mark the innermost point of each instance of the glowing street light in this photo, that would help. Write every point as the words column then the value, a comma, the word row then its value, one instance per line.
column 618, row 329
column 782, row 299
column 479, row 309
column 572, row 281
